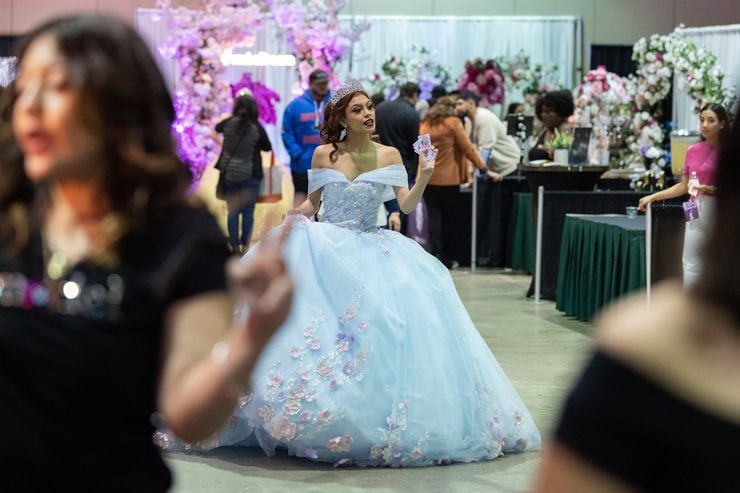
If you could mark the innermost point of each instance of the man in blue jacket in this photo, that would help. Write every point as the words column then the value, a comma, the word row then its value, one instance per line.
column 302, row 122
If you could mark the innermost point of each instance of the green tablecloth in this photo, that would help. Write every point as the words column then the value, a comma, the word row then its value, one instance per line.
column 602, row 257
column 521, row 237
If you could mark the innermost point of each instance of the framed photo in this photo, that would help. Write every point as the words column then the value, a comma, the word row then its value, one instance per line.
column 517, row 122
column 578, row 154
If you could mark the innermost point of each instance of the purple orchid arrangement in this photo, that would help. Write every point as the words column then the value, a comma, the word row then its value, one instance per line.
column 196, row 41
column 265, row 97
column 198, row 38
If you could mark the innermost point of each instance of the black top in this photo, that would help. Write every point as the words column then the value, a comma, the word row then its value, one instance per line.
column 535, row 153
column 632, row 428
column 397, row 124
column 241, row 159
column 80, row 361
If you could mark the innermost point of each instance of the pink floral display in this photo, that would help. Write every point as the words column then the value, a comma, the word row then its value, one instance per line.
column 603, row 86
column 597, row 99
column 484, row 79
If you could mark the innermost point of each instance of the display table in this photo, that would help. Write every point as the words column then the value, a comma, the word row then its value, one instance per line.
column 602, row 257
column 618, row 179
column 559, row 177
column 556, row 206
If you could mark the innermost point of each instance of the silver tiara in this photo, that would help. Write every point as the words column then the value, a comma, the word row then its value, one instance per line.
column 347, row 87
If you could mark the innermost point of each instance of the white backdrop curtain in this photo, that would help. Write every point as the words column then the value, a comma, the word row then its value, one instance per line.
column 452, row 39
column 724, row 43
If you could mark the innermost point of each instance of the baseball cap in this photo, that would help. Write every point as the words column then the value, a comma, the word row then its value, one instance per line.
column 318, row 75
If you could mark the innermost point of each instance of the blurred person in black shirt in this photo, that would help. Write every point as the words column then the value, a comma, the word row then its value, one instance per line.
column 113, row 294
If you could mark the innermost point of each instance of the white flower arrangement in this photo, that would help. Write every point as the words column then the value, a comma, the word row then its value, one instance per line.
column 657, row 58
column 645, row 141
column 532, row 79
column 597, row 98
column 417, row 65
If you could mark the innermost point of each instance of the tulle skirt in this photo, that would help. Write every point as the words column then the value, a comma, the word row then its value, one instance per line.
column 378, row 364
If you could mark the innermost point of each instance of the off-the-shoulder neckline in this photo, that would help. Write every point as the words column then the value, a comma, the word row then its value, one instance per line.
column 361, row 174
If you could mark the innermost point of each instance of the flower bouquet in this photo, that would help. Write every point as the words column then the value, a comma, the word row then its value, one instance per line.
column 654, row 59
column 417, row 65
column 597, row 98
column 484, row 79
column 531, row 80
column 702, row 77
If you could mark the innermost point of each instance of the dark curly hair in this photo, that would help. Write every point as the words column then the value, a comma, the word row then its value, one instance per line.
column 561, row 103
column 332, row 128
column 126, row 103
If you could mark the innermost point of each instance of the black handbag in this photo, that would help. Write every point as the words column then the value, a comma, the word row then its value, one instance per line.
column 221, row 167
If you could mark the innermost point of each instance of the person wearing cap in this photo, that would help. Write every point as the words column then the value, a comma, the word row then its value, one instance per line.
column 302, row 122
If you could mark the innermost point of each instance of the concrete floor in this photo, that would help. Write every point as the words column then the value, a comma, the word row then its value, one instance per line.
column 540, row 350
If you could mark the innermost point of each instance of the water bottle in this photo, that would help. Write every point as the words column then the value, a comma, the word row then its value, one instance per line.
column 693, row 184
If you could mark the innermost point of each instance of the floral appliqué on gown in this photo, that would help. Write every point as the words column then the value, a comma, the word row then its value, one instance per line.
column 378, row 363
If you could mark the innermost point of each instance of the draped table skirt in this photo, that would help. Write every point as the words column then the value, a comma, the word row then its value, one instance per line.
column 602, row 257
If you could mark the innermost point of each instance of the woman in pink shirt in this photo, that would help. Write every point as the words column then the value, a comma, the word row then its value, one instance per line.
column 701, row 158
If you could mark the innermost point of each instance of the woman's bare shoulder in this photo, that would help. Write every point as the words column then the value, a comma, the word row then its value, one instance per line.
column 321, row 156
column 387, row 155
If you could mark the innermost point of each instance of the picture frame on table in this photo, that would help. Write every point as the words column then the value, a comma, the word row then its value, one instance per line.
column 578, row 153
column 516, row 122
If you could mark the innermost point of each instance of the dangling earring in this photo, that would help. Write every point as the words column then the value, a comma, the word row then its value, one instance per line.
column 343, row 133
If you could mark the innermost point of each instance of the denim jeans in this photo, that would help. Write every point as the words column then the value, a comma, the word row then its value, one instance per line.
column 241, row 196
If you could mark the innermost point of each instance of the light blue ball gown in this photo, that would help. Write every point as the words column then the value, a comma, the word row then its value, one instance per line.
column 378, row 363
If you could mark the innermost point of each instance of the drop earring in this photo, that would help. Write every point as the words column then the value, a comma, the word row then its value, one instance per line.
column 343, row 133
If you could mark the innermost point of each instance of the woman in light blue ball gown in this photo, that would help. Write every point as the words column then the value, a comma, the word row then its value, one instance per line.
column 379, row 363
